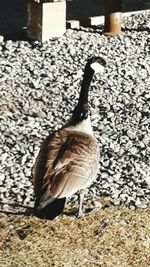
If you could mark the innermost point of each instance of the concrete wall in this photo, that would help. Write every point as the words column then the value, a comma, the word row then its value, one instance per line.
column 13, row 12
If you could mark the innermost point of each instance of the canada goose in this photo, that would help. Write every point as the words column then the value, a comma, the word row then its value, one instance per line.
column 68, row 158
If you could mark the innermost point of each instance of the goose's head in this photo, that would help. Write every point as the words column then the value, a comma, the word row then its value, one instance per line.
column 97, row 64
column 80, row 112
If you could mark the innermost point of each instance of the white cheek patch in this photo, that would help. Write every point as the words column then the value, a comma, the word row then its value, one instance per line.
column 97, row 67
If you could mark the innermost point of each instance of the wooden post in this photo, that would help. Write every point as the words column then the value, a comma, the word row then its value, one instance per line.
column 46, row 19
column 112, row 17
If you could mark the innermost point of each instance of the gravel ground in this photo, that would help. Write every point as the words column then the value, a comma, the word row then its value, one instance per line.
column 39, row 86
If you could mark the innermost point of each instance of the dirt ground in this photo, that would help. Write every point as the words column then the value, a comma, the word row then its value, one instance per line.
column 110, row 237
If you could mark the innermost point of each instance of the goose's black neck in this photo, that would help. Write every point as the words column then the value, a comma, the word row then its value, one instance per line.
column 87, row 78
column 81, row 110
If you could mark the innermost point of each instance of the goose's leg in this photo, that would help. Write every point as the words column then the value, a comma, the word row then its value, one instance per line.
column 80, row 200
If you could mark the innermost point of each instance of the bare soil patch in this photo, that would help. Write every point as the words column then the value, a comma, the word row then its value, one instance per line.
column 109, row 238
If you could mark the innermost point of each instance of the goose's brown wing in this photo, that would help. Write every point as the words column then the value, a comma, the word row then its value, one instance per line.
column 67, row 162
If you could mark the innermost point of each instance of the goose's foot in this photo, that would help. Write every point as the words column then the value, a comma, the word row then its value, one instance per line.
column 81, row 213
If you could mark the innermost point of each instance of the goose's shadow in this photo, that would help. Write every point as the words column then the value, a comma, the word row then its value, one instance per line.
column 27, row 210
column 74, row 212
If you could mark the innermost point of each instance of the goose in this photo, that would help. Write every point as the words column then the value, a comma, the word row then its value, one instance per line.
column 68, row 158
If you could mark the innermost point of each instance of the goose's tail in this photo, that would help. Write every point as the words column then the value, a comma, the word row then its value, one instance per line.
column 51, row 210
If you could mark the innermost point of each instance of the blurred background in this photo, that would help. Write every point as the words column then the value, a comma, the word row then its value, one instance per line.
column 13, row 14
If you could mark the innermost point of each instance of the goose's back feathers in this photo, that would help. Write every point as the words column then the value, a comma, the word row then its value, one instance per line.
column 67, row 162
